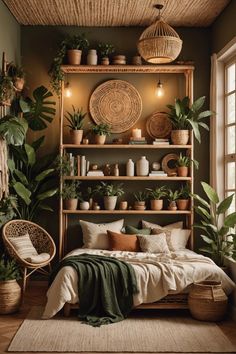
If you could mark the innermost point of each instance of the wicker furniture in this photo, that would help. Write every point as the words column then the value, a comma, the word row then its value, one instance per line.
column 41, row 240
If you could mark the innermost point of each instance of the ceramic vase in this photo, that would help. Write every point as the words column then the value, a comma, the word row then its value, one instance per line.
column 130, row 168
column 84, row 205
column 142, row 167
column 92, row 58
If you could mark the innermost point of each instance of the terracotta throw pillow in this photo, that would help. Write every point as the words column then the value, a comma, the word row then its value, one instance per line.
column 123, row 242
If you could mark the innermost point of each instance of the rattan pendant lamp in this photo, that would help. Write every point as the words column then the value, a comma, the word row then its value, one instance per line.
column 159, row 43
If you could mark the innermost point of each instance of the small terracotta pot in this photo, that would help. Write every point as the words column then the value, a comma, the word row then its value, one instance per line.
column 182, row 204
column 110, row 202
column 19, row 83
column 182, row 171
column 139, row 205
column 156, row 204
column 84, row 205
column 172, row 206
column 71, row 204
column 99, row 139
column 123, row 205
column 74, row 56
column 76, row 136
column 105, row 61
column 180, row 137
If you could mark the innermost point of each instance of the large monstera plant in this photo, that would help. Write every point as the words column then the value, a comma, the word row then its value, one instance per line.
column 13, row 129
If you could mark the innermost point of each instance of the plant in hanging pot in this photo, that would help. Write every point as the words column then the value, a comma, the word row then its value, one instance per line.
column 140, row 200
column 156, row 197
column 76, row 120
column 172, row 196
column 183, row 164
column 70, row 194
column 110, row 192
column 183, row 197
column 105, row 49
column 74, row 47
column 185, row 117
column 17, row 74
column 10, row 291
column 100, row 132
column 6, row 90
column 217, row 229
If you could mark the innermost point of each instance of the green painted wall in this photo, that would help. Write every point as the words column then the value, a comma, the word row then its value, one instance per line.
column 38, row 48
column 224, row 28
column 9, row 35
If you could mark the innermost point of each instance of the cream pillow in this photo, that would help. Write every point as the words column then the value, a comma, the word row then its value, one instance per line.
column 40, row 258
column 153, row 243
column 177, row 239
column 23, row 246
column 95, row 235
column 175, row 225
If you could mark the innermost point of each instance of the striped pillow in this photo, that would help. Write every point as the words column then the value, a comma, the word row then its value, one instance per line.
column 23, row 246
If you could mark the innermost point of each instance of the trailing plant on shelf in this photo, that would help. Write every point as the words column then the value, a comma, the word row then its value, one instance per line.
column 185, row 116
column 183, row 164
column 109, row 192
column 101, row 131
column 184, row 194
column 217, row 228
column 140, row 200
column 76, row 121
column 156, row 195
column 172, row 196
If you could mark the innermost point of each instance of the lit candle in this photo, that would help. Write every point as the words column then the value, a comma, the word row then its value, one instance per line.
column 136, row 133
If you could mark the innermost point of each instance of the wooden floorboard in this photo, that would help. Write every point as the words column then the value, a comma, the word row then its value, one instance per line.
column 36, row 296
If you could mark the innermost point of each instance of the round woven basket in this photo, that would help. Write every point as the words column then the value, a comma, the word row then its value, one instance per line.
column 159, row 43
column 207, row 301
column 10, row 296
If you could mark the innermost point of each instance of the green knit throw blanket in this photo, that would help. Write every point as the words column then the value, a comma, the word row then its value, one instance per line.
column 106, row 287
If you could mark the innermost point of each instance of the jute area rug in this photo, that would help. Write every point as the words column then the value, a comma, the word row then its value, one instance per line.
column 136, row 334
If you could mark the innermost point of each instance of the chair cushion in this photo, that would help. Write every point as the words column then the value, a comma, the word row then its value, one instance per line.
column 40, row 258
column 153, row 243
column 122, row 242
column 23, row 245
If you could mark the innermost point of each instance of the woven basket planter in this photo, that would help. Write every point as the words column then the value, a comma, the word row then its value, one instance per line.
column 10, row 296
column 180, row 137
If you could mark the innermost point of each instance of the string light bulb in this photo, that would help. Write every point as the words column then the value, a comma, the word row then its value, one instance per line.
column 159, row 90
column 68, row 92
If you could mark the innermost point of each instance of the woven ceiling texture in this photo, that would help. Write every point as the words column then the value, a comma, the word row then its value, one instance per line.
column 114, row 12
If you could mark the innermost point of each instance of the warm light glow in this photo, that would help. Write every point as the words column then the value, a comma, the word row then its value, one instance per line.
column 159, row 90
column 136, row 133
column 68, row 92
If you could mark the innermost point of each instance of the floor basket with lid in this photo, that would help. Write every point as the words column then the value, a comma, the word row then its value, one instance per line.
column 207, row 301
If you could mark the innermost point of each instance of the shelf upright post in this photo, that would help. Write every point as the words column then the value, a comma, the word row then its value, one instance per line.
column 61, row 216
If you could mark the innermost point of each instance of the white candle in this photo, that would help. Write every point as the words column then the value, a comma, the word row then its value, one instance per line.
column 136, row 133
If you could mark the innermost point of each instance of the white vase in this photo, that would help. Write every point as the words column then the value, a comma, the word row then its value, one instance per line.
column 142, row 166
column 84, row 205
column 92, row 58
column 130, row 168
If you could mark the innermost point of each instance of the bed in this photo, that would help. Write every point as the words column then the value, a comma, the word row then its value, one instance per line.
column 163, row 279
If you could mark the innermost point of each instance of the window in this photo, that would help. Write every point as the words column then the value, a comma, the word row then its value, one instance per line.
column 230, row 131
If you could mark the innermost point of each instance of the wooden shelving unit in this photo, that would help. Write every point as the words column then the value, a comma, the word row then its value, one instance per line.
column 187, row 70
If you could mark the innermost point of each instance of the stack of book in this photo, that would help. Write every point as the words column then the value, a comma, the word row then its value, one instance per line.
column 82, row 165
column 158, row 174
column 161, row 141
column 137, row 141
column 95, row 173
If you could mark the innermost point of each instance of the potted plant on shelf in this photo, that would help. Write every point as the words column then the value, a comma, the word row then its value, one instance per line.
column 76, row 120
column 185, row 117
column 6, row 90
column 74, row 47
column 140, row 200
column 17, row 74
column 183, row 164
column 100, row 132
column 217, row 229
column 10, row 291
column 183, row 198
column 110, row 192
column 70, row 194
column 156, row 196
column 172, row 196
column 105, row 49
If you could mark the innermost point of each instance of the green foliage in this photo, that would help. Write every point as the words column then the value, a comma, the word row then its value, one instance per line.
column 186, row 116
column 186, row 161
column 101, row 129
column 7, row 206
column 70, row 190
column 140, row 196
column 76, row 118
column 172, row 196
column 6, row 88
column 76, row 42
column 13, row 129
column 15, row 71
column 216, row 228
column 9, row 269
column 157, row 193
column 109, row 189
column 62, row 165
column 184, row 192
column 105, row 49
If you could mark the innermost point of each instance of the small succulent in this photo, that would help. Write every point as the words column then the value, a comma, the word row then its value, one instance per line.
column 185, row 161
column 184, row 192
column 109, row 189
column 157, row 193
column 172, row 196
column 76, row 118
column 140, row 196
column 101, row 129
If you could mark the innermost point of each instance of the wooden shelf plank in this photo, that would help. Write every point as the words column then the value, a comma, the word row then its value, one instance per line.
column 129, row 69
column 142, row 212
column 124, row 146
column 126, row 178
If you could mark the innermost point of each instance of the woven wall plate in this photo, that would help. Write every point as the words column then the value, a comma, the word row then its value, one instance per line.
column 117, row 103
column 168, row 163
column 158, row 125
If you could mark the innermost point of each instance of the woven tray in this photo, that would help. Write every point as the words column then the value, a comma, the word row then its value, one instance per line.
column 158, row 125
column 168, row 163
column 116, row 103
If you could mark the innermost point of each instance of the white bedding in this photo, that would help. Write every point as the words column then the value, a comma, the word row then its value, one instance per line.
column 157, row 276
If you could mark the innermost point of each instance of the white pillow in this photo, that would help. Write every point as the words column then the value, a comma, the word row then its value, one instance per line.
column 95, row 235
column 40, row 258
column 23, row 246
column 153, row 243
column 177, row 239
column 150, row 225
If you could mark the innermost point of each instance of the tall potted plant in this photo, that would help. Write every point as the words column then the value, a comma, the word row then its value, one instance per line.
column 76, row 120
column 185, row 117
column 157, row 196
column 110, row 192
column 100, row 132
column 216, row 229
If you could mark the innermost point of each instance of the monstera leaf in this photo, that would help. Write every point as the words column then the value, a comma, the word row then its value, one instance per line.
column 13, row 129
column 39, row 110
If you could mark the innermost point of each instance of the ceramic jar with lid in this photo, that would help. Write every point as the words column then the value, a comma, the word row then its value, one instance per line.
column 142, row 166
column 92, row 58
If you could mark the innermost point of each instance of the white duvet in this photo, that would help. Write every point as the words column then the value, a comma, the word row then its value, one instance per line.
column 157, row 276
